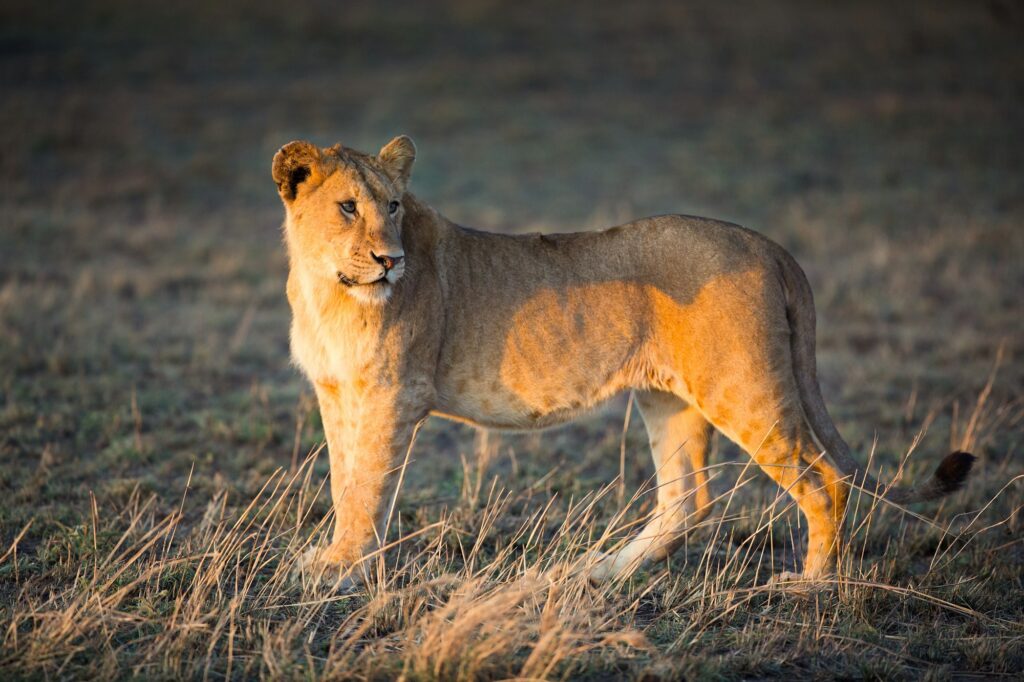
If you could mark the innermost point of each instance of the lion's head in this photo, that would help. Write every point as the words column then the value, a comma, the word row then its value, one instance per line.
column 344, row 213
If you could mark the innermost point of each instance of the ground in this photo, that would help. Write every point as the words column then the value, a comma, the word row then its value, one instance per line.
column 160, row 467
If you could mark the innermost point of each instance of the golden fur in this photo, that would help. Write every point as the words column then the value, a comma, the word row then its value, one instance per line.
column 710, row 324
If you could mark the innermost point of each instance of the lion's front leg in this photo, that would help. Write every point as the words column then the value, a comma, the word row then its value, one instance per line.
column 367, row 432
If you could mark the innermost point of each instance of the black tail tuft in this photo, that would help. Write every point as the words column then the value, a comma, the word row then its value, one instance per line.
column 953, row 471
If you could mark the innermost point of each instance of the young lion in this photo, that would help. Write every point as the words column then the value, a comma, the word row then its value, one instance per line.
column 399, row 314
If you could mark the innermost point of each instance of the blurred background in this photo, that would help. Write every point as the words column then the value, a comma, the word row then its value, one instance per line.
column 143, row 322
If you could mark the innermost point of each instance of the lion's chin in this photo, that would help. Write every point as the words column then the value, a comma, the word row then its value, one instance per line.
column 376, row 293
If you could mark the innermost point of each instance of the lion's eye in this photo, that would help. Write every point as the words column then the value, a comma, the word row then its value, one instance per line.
column 348, row 207
column 393, row 207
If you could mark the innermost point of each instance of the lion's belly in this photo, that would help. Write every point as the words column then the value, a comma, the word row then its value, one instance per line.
column 491, row 405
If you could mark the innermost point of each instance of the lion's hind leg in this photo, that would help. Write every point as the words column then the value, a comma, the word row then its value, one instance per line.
column 679, row 436
column 779, row 441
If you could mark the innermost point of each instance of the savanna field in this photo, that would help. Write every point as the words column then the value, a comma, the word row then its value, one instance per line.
column 161, row 462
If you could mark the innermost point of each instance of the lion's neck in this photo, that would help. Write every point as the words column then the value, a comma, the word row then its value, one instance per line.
column 423, row 227
column 332, row 334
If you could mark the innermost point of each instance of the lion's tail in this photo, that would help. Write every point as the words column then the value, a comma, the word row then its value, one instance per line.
column 948, row 477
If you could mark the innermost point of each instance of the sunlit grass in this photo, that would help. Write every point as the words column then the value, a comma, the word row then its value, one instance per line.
column 497, row 586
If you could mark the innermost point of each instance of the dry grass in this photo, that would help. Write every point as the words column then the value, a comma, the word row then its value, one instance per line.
column 153, row 439
column 491, row 589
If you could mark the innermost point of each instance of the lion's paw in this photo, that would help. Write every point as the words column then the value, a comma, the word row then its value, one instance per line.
column 313, row 569
column 798, row 582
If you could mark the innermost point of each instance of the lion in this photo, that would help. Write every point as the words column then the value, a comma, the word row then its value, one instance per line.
column 399, row 314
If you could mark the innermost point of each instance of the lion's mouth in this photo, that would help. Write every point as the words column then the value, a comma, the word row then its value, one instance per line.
column 349, row 282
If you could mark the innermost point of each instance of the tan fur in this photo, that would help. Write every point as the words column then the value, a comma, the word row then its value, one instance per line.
column 709, row 323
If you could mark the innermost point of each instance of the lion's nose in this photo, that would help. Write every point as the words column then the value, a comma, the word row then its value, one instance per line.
column 388, row 262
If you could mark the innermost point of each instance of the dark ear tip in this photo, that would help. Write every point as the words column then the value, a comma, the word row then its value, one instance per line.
column 401, row 145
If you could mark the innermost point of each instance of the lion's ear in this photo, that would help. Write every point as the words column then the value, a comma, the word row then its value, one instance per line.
column 293, row 164
column 396, row 157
